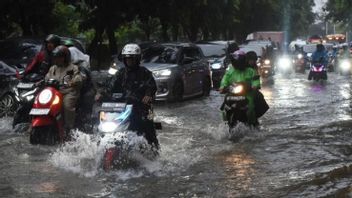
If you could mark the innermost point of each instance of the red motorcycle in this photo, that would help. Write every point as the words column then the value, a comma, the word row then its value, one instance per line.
column 47, row 119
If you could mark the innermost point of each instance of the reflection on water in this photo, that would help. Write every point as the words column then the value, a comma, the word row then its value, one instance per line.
column 239, row 170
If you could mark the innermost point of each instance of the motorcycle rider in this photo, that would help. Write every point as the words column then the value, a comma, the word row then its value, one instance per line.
column 239, row 72
column 69, row 76
column 319, row 56
column 44, row 60
column 138, row 87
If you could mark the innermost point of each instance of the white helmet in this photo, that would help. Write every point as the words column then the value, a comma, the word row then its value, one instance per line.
column 131, row 50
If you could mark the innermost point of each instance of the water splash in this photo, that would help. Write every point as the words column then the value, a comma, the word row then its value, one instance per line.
column 6, row 124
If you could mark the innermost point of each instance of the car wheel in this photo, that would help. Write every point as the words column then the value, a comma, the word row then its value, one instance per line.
column 7, row 105
column 206, row 86
column 178, row 91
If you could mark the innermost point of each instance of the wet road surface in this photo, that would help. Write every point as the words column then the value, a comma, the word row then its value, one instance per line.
column 302, row 149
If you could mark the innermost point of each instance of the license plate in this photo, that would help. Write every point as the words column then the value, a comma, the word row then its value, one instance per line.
column 236, row 98
column 39, row 112
column 25, row 85
column 113, row 105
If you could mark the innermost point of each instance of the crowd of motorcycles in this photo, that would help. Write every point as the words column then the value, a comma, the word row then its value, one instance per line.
column 39, row 104
column 37, row 108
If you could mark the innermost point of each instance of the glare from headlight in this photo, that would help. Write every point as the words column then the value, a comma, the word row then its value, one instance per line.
column 112, row 71
column 108, row 127
column 162, row 73
column 216, row 66
column 284, row 63
column 237, row 89
column 345, row 66
column 267, row 62
column 45, row 96
column 300, row 56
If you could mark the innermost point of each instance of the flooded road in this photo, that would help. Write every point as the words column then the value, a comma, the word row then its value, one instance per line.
column 302, row 149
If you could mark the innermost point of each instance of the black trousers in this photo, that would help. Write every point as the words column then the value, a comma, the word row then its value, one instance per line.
column 144, row 126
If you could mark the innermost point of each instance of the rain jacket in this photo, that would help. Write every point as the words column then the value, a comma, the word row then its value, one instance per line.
column 249, row 76
column 320, row 56
column 70, row 73
column 40, row 63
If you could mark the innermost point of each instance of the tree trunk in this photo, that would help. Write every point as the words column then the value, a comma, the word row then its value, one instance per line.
column 112, row 41
column 165, row 35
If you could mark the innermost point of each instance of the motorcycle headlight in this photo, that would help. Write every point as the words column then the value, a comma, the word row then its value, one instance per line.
column 299, row 56
column 237, row 89
column 345, row 65
column 267, row 62
column 45, row 96
column 108, row 127
column 112, row 71
column 162, row 73
column 284, row 63
column 216, row 66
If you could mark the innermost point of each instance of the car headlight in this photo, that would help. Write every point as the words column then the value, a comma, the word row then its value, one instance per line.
column 284, row 63
column 267, row 62
column 108, row 127
column 45, row 96
column 112, row 71
column 162, row 73
column 216, row 66
column 345, row 65
column 237, row 89
column 299, row 56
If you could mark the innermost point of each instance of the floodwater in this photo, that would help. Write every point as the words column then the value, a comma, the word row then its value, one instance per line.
column 303, row 148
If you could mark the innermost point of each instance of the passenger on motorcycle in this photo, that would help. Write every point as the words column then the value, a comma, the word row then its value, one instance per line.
column 44, row 60
column 239, row 72
column 138, row 87
column 88, row 89
column 252, row 58
column 70, row 80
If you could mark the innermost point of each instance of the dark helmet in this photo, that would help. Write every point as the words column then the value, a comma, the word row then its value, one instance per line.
column 251, row 55
column 52, row 38
column 62, row 51
column 320, row 47
column 238, row 59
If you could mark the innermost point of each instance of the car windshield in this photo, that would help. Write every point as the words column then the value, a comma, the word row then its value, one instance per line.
column 210, row 50
column 160, row 54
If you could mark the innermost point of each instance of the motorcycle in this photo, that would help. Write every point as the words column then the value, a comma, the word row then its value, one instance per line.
column 7, row 82
column 300, row 64
column 47, row 120
column 25, row 92
column 265, row 68
column 121, row 144
column 344, row 66
column 235, row 104
column 317, row 72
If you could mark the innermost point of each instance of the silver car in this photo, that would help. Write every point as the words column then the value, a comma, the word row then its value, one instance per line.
column 180, row 70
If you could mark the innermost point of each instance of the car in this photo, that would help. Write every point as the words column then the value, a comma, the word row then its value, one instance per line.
column 19, row 51
column 215, row 53
column 180, row 70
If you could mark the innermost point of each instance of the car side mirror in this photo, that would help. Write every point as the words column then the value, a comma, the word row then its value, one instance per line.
column 187, row 60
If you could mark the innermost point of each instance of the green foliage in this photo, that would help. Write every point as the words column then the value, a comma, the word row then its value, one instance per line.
column 67, row 19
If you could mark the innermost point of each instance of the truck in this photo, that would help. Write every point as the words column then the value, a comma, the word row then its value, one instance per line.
column 274, row 36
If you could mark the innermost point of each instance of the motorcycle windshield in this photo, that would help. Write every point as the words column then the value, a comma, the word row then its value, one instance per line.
column 114, row 121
